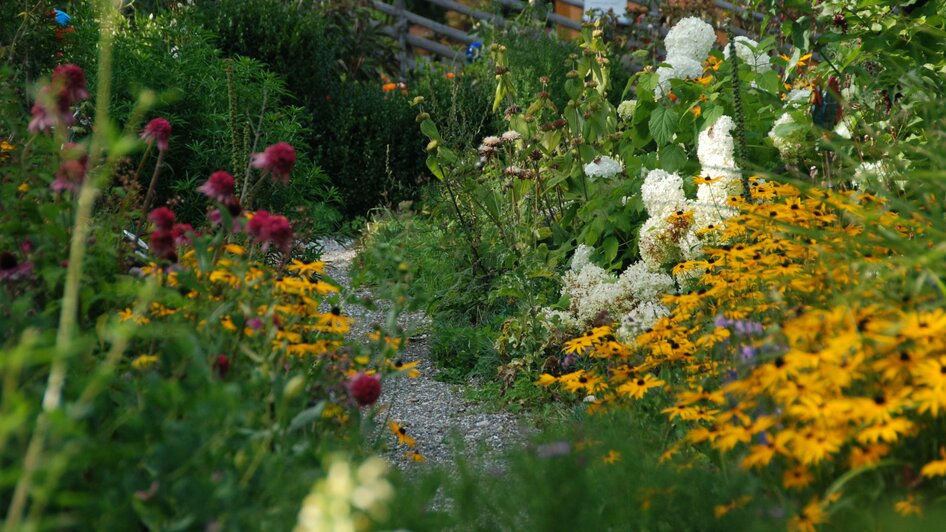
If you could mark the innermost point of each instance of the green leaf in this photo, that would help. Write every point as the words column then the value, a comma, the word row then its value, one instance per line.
column 672, row 158
column 663, row 124
column 427, row 127
column 610, row 248
column 433, row 163
column 769, row 81
column 307, row 416
column 711, row 115
column 446, row 155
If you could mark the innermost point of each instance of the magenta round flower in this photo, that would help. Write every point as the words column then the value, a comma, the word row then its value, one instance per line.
column 163, row 218
column 70, row 83
column 162, row 244
column 219, row 187
column 268, row 229
column 158, row 130
column 277, row 160
column 365, row 389
column 182, row 234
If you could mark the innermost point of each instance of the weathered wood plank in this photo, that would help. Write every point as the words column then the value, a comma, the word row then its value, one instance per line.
column 425, row 44
column 466, row 10
column 414, row 18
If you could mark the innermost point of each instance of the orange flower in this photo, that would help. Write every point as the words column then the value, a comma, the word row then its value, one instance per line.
column 388, row 87
column 451, row 75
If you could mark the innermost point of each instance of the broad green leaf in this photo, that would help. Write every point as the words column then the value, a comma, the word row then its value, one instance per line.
column 672, row 158
column 610, row 248
column 663, row 124
column 433, row 163
column 427, row 127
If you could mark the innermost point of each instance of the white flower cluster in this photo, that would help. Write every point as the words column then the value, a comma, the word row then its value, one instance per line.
column 347, row 498
column 626, row 109
column 687, row 43
column 630, row 298
column 603, row 167
column 662, row 193
column 746, row 51
column 716, row 152
column 876, row 174
column 789, row 145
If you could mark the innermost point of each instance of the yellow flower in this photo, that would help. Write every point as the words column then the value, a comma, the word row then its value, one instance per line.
column 302, row 268
column 612, row 457
column 635, row 389
column 127, row 314
column 936, row 468
column 797, row 478
column 415, row 456
column 23, row 187
column 145, row 361
column 810, row 517
column 545, row 380
column 398, row 430
column 908, row 506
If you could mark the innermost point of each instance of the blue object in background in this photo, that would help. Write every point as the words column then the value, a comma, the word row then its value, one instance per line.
column 62, row 18
column 474, row 51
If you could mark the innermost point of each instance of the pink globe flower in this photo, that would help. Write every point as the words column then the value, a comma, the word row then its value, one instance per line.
column 365, row 389
column 73, row 168
column 161, row 243
column 268, row 229
column 69, row 81
column 219, row 187
column 158, row 130
column 277, row 160
column 183, row 234
column 163, row 218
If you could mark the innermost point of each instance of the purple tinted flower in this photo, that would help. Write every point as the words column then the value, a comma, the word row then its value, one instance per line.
column 747, row 353
column 549, row 450
column 219, row 187
column 13, row 270
column 277, row 160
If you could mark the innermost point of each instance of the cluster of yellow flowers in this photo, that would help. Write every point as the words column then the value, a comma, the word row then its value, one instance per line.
column 802, row 347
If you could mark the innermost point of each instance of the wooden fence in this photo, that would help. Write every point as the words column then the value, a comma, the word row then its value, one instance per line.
column 565, row 17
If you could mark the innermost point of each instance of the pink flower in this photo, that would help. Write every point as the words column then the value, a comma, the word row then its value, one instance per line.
column 222, row 366
column 42, row 120
column 70, row 82
column 270, row 229
column 277, row 160
column 162, row 244
column 163, row 218
column 182, row 234
column 158, row 129
column 219, row 187
column 13, row 270
column 365, row 389
column 72, row 170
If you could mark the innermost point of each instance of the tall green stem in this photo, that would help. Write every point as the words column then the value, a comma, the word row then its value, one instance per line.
column 52, row 398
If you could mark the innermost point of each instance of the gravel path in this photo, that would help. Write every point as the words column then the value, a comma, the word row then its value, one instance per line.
column 431, row 412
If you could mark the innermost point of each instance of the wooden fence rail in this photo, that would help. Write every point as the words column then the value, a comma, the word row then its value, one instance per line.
column 407, row 42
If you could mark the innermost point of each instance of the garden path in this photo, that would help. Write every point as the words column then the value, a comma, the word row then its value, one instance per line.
column 434, row 413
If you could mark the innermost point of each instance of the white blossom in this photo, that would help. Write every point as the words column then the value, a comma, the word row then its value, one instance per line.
column 581, row 257
column 681, row 67
column 691, row 38
column 626, row 109
column 662, row 193
column 789, row 145
column 603, row 167
column 745, row 51
column 511, row 136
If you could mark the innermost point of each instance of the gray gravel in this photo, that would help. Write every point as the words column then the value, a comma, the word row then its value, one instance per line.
column 432, row 412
